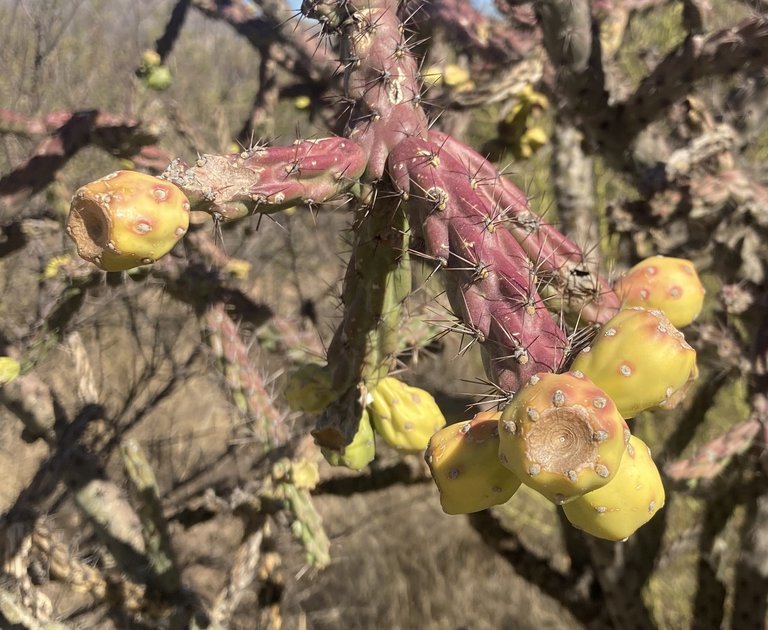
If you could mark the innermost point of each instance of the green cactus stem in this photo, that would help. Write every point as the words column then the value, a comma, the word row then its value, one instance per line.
column 365, row 344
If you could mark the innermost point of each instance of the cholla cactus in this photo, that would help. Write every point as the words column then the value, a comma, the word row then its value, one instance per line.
column 510, row 277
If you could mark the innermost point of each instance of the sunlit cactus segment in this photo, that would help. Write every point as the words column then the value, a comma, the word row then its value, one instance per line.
column 641, row 360
column 405, row 416
column 357, row 454
column 562, row 436
column 629, row 501
column 464, row 460
column 127, row 219
column 665, row 283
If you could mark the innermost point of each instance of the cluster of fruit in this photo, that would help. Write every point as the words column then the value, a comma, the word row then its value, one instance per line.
column 405, row 417
column 565, row 435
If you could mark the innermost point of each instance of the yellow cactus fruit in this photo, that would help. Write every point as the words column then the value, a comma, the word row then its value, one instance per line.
column 127, row 219
column 464, row 460
column 308, row 388
column 54, row 265
column 629, row 501
column 668, row 284
column 641, row 360
column 432, row 76
column 302, row 102
column 359, row 452
column 10, row 369
column 562, row 436
column 405, row 416
column 455, row 76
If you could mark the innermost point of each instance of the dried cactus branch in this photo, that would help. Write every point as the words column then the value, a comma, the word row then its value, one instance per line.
column 164, row 44
column 154, row 527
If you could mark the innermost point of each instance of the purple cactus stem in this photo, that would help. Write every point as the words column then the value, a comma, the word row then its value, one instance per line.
column 490, row 280
column 268, row 179
column 557, row 259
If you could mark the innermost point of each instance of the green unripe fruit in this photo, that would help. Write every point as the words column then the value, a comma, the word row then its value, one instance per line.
column 562, row 436
column 308, row 388
column 464, row 460
column 406, row 417
column 358, row 453
column 158, row 78
column 630, row 500
column 668, row 284
column 641, row 360
column 127, row 219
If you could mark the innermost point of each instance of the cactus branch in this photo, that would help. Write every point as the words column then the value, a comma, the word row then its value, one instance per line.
column 268, row 179
column 489, row 278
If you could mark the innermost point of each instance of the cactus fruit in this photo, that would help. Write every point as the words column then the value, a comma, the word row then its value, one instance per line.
column 464, row 460
column 153, row 73
column 668, row 284
column 405, row 416
column 357, row 454
column 629, row 501
column 641, row 360
column 562, row 436
column 10, row 369
column 127, row 219
column 308, row 388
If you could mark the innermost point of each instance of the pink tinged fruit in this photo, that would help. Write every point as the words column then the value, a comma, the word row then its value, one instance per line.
column 628, row 502
column 668, row 284
column 641, row 360
column 562, row 436
column 127, row 219
column 464, row 462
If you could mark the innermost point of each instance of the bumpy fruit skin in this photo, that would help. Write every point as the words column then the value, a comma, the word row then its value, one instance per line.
column 127, row 219
column 464, row 460
column 308, row 388
column 562, row 436
column 641, row 360
column 629, row 501
column 406, row 417
column 358, row 453
column 668, row 284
